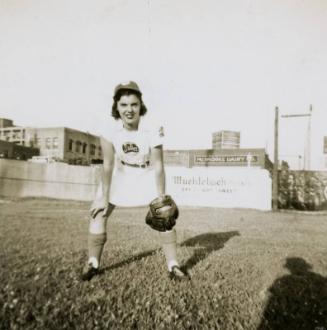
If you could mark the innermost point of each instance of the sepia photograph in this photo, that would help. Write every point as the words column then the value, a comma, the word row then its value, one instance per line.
column 163, row 164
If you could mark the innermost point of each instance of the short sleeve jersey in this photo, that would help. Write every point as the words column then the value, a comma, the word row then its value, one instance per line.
column 133, row 147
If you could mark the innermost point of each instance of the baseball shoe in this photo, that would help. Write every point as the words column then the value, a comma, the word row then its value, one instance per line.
column 177, row 274
column 88, row 272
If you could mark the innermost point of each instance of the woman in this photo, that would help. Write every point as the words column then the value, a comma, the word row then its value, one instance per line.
column 132, row 158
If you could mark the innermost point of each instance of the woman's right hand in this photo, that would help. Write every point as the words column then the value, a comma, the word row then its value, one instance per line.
column 99, row 205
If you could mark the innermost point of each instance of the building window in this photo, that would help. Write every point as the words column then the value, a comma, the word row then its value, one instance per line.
column 48, row 143
column 17, row 134
column 100, row 151
column 84, row 147
column 70, row 145
column 78, row 146
column 92, row 151
column 55, row 143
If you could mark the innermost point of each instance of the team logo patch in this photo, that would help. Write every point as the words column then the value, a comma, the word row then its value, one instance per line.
column 130, row 147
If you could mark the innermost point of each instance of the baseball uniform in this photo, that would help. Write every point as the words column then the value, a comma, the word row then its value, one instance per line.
column 133, row 181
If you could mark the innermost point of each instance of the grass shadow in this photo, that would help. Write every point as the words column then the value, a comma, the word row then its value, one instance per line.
column 297, row 300
column 129, row 260
column 204, row 244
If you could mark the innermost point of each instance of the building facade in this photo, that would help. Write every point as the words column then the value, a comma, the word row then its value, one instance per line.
column 6, row 122
column 226, row 140
column 59, row 143
column 67, row 145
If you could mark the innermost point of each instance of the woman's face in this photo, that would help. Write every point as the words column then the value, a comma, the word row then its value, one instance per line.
column 129, row 107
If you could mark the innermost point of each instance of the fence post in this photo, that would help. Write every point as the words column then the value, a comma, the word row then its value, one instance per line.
column 275, row 169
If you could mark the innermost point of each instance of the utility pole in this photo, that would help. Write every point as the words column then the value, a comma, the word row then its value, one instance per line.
column 307, row 150
column 275, row 169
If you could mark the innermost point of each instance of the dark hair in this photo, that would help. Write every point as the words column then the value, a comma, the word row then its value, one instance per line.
column 119, row 94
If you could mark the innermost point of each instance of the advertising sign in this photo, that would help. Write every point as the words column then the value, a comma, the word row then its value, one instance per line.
column 215, row 159
column 220, row 187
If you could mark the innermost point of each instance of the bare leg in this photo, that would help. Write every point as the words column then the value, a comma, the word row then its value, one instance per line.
column 96, row 240
column 169, row 247
column 98, row 236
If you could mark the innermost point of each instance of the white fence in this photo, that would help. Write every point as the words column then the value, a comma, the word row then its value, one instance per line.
column 212, row 186
column 54, row 180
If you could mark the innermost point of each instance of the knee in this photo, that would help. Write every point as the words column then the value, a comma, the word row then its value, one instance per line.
column 98, row 224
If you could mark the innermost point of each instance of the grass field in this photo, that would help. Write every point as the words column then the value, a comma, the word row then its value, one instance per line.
column 249, row 270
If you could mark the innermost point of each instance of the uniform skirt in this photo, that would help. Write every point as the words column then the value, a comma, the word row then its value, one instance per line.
column 131, row 186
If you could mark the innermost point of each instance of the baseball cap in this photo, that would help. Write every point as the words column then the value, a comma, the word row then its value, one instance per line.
column 130, row 85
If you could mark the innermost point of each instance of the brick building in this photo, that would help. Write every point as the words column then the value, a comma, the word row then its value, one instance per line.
column 59, row 143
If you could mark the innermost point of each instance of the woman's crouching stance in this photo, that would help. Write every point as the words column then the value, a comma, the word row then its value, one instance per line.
column 132, row 160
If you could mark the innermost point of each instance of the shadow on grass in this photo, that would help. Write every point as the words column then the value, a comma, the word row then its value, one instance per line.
column 298, row 300
column 129, row 260
column 204, row 244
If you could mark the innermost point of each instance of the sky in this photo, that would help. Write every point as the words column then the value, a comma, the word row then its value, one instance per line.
column 203, row 66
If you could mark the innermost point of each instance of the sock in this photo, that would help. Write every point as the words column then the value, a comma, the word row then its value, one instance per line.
column 95, row 245
column 169, row 246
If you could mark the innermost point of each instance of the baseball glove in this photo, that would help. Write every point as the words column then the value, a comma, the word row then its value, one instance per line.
column 162, row 213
